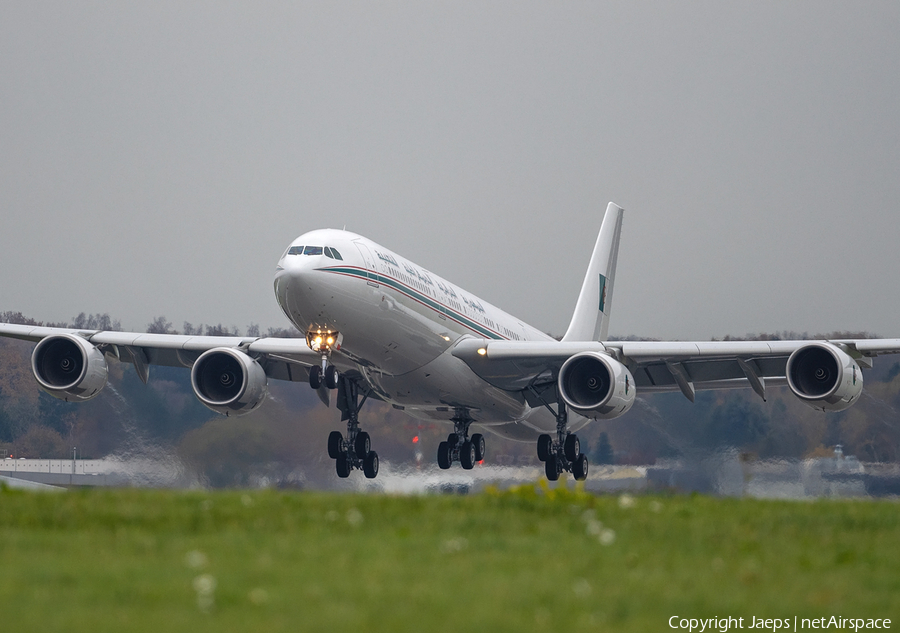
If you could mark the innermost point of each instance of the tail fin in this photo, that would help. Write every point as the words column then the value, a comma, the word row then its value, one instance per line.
column 591, row 319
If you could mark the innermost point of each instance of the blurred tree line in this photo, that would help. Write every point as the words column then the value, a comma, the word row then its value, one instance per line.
column 288, row 432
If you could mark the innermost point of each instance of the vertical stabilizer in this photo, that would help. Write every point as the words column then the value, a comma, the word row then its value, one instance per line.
column 591, row 319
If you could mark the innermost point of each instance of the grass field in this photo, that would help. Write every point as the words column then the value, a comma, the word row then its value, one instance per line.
column 529, row 559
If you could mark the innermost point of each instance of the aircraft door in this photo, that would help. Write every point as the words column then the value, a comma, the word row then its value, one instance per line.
column 372, row 278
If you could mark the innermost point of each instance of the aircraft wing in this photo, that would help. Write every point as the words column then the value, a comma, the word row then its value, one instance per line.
column 656, row 365
column 281, row 358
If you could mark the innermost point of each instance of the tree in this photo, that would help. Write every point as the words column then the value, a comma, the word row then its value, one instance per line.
column 40, row 442
column 95, row 322
column 160, row 325
column 221, row 330
column 190, row 330
column 604, row 452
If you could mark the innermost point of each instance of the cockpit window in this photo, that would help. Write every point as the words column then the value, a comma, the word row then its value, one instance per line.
column 337, row 255
column 328, row 253
column 295, row 250
column 312, row 250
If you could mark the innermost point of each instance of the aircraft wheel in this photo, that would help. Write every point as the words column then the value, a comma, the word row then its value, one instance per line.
column 467, row 455
column 444, row 455
column 545, row 443
column 478, row 443
column 315, row 376
column 580, row 468
column 370, row 465
column 550, row 468
column 572, row 447
column 362, row 445
column 335, row 444
column 331, row 377
column 453, row 440
column 342, row 466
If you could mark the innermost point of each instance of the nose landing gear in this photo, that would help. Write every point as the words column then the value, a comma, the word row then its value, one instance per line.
column 327, row 375
column 324, row 341
column 460, row 447
column 355, row 451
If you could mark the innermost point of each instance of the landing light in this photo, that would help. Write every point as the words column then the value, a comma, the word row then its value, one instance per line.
column 482, row 351
column 323, row 340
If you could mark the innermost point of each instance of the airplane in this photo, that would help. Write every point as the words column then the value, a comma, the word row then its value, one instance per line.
column 379, row 326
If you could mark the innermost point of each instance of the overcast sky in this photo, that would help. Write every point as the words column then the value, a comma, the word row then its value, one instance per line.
column 156, row 158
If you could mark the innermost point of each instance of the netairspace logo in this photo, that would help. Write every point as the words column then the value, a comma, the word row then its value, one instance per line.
column 775, row 624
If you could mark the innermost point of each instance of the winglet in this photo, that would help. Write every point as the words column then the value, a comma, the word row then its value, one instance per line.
column 590, row 322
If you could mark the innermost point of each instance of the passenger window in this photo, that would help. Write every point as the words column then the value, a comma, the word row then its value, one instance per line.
column 312, row 250
column 295, row 250
column 337, row 255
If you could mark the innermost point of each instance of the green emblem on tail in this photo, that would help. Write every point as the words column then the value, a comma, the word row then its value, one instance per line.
column 602, row 293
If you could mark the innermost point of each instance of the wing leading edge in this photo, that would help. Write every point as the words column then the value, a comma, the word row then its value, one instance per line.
column 282, row 358
column 656, row 366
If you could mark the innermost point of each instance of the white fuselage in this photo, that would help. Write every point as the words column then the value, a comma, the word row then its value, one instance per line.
column 399, row 322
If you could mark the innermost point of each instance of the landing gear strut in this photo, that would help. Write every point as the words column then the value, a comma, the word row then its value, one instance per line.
column 355, row 451
column 460, row 447
column 564, row 454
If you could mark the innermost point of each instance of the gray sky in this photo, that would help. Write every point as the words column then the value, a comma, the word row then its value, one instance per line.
column 157, row 158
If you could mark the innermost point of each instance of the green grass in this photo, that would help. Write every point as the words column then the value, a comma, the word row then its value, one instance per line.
column 524, row 560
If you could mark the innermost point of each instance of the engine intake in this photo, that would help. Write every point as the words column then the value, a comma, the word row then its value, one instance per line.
column 596, row 385
column 68, row 367
column 228, row 381
column 824, row 376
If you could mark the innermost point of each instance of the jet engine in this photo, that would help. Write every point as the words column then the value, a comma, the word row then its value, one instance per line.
column 824, row 377
column 596, row 385
column 68, row 367
column 228, row 381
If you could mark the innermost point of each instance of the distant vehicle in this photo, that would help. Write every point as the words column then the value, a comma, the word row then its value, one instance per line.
column 379, row 326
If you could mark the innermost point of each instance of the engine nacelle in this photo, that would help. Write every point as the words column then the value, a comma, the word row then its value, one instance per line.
column 68, row 367
column 228, row 381
column 824, row 377
column 596, row 385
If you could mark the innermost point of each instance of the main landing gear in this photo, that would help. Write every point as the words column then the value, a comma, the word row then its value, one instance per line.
column 564, row 454
column 355, row 451
column 460, row 447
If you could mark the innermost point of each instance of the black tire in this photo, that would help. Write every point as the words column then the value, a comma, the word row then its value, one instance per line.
column 315, row 376
column 467, row 455
column 362, row 445
column 444, row 455
column 453, row 440
column 335, row 444
column 544, row 447
column 331, row 377
column 370, row 465
column 550, row 468
column 478, row 443
column 572, row 447
column 342, row 466
column 580, row 468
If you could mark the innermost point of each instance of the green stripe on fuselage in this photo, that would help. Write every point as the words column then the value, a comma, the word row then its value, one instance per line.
column 416, row 295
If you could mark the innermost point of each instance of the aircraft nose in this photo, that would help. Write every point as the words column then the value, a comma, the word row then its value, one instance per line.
column 294, row 286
